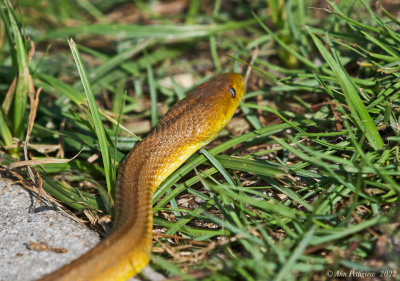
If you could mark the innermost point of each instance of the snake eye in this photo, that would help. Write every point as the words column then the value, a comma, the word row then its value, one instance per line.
column 232, row 92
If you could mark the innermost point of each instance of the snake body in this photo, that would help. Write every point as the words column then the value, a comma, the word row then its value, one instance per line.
column 187, row 126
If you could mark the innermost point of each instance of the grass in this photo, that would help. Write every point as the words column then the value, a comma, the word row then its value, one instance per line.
column 305, row 183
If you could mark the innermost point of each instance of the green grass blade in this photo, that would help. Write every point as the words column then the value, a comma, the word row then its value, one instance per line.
column 170, row 32
column 94, row 113
column 357, row 107
column 217, row 165
column 23, row 83
column 286, row 270
column 153, row 95
column 273, row 207
column 5, row 131
column 339, row 233
column 250, row 166
column 49, row 81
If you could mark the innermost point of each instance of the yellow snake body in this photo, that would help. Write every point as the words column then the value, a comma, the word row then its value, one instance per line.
column 187, row 126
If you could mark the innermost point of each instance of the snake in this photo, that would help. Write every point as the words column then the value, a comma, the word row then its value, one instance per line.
column 190, row 124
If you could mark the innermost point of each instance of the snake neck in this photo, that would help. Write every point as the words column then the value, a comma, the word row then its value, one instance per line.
column 144, row 169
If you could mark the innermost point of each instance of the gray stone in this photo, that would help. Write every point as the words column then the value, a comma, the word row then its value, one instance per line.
column 20, row 225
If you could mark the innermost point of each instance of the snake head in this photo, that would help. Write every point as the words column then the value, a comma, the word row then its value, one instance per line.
column 224, row 94
column 206, row 110
column 216, row 102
